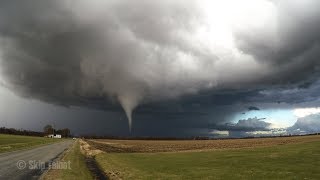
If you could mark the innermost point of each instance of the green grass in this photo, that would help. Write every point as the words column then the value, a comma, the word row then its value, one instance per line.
column 14, row 142
column 78, row 169
column 293, row 161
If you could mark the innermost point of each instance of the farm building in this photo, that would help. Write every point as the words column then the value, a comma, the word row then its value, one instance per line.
column 54, row 136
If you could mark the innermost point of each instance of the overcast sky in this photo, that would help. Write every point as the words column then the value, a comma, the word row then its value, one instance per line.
column 161, row 68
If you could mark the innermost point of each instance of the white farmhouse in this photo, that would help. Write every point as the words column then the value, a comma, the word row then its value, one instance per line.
column 54, row 136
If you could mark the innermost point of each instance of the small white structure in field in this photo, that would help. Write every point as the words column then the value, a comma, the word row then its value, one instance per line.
column 54, row 136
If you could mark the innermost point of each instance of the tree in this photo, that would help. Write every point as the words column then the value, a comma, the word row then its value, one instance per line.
column 65, row 132
column 48, row 129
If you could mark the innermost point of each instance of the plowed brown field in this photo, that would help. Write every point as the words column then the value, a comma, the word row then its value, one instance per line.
column 125, row 146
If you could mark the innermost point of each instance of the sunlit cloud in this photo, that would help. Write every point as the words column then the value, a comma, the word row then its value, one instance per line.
column 303, row 112
column 279, row 118
column 217, row 132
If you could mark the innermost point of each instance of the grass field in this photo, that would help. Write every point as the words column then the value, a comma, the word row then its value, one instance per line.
column 298, row 159
column 14, row 142
column 78, row 169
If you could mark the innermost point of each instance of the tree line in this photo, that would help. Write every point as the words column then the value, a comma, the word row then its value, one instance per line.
column 48, row 129
column 4, row 130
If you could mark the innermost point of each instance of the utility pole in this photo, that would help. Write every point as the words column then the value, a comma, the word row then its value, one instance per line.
column 54, row 131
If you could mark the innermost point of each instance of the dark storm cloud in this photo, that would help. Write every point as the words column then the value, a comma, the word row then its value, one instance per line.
column 253, row 108
column 102, row 54
column 67, row 54
column 294, row 95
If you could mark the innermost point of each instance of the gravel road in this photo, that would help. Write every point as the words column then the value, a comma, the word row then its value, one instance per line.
column 31, row 163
